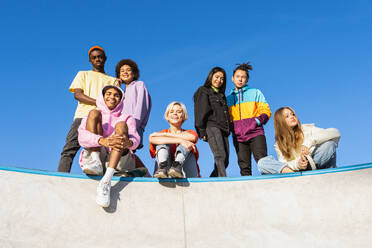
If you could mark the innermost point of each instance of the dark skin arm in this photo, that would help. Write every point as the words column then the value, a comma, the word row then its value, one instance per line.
column 81, row 97
column 116, row 142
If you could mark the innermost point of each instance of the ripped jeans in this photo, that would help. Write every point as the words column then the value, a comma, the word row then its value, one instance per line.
column 189, row 166
column 324, row 157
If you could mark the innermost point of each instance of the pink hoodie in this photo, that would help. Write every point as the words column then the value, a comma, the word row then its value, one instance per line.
column 109, row 119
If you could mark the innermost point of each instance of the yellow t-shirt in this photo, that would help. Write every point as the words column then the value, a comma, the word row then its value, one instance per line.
column 91, row 83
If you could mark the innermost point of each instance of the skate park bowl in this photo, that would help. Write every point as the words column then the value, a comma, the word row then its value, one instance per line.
column 323, row 208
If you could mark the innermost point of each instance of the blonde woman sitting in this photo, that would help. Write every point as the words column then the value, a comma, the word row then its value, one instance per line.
column 174, row 149
column 300, row 147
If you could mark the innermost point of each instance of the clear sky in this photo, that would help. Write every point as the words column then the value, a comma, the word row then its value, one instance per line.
column 314, row 56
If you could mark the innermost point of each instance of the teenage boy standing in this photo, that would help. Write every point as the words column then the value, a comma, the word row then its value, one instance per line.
column 86, row 87
column 249, row 111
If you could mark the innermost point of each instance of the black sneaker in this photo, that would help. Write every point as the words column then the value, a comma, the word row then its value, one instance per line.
column 176, row 170
column 161, row 172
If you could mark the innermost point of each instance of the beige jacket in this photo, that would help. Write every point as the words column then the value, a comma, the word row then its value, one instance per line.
column 313, row 136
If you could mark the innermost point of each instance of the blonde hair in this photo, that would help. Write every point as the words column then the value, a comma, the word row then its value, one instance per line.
column 288, row 139
column 183, row 107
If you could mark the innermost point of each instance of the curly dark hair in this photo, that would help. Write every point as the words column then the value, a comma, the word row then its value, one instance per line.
column 244, row 67
column 208, row 81
column 133, row 66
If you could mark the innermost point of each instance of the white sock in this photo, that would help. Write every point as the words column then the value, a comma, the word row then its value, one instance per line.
column 95, row 156
column 180, row 158
column 108, row 175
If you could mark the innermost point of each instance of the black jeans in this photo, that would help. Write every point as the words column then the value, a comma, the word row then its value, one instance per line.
column 71, row 147
column 219, row 144
column 244, row 150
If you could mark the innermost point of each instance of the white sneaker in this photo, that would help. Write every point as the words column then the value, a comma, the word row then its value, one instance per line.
column 103, row 194
column 89, row 165
column 93, row 168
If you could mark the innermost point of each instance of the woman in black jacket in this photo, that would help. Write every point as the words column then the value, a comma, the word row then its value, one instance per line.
column 212, row 118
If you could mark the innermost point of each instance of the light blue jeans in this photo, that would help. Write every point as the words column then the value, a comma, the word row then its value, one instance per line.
column 189, row 165
column 324, row 157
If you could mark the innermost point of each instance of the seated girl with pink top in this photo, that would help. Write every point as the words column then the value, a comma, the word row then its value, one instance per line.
column 107, row 136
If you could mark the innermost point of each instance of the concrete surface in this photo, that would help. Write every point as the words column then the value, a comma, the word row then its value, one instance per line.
column 330, row 208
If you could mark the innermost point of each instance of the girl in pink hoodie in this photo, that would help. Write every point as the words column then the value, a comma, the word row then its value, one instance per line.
column 104, row 131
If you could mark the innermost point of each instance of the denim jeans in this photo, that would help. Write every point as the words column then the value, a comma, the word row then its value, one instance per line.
column 189, row 165
column 324, row 157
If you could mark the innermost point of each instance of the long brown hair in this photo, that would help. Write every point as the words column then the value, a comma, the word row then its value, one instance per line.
column 288, row 139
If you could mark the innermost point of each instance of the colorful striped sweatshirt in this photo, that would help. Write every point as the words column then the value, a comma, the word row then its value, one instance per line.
column 249, row 111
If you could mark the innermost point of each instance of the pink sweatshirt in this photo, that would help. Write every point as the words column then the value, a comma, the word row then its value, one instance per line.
column 109, row 119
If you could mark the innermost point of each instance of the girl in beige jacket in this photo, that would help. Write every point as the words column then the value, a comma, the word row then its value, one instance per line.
column 300, row 147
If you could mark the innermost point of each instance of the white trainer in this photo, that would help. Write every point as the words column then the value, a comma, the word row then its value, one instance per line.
column 93, row 168
column 103, row 194
column 89, row 165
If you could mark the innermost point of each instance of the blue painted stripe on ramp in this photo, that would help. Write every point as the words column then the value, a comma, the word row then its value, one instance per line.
column 338, row 169
column 194, row 180
column 147, row 179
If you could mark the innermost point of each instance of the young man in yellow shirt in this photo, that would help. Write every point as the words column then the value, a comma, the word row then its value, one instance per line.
column 86, row 87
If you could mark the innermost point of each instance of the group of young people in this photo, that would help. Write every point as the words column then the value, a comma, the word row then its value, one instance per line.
column 109, row 124
column 244, row 112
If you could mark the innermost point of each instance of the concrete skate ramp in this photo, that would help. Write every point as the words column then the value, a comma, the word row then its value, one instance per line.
column 328, row 208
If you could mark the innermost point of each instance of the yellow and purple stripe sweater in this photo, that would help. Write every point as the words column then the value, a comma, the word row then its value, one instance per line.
column 249, row 111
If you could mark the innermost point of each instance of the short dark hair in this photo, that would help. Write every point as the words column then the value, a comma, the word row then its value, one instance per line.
column 244, row 67
column 208, row 81
column 112, row 87
column 133, row 66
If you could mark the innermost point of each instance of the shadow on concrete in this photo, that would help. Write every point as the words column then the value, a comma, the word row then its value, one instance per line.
column 94, row 177
column 115, row 196
column 171, row 183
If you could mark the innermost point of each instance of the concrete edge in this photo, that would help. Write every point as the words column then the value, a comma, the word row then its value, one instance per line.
column 193, row 180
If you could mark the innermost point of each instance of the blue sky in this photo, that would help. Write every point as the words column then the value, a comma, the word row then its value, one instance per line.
column 313, row 56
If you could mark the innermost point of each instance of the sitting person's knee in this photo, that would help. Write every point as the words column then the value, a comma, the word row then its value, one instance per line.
column 184, row 150
column 94, row 114
column 329, row 146
column 263, row 160
column 121, row 128
column 158, row 147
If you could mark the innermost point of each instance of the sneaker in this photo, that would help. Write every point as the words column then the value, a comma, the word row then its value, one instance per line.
column 103, row 194
column 176, row 170
column 89, row 165
column 161, row 172
column 93, row 168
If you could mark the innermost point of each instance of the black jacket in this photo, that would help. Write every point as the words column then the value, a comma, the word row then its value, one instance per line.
column 210, row 109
